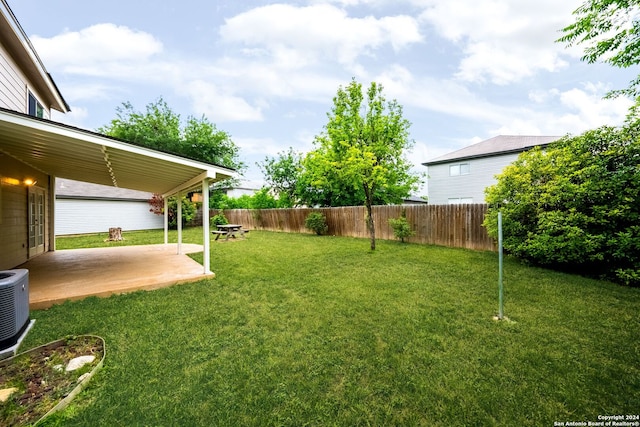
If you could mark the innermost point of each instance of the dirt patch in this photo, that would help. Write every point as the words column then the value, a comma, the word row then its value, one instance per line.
column 40, row 380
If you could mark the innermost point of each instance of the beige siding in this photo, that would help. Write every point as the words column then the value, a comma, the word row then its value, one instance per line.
column 13, row 87
column 14, row 211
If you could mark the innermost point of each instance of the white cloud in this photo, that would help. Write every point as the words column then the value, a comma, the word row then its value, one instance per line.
column 432, row 94
column 502, row 41
column 89, row 91
column 301, row 36
column 258, row 146
column 76, row 117
column 95, row 46
column 219, row 106
column 560, row 112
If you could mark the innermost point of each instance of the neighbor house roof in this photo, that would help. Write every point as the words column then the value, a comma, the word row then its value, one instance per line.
column 502, row 144
column 15, row 40
column 70, row 189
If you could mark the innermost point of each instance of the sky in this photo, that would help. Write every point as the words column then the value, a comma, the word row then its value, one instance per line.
column 266, row 71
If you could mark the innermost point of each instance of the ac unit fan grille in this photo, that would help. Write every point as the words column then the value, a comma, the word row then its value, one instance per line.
column 8, row 319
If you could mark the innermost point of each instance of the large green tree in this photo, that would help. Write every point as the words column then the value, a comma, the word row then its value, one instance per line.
column 360, row 153
column 160, row 128
column 282, row 175
column 610, row 31
column 574, row 206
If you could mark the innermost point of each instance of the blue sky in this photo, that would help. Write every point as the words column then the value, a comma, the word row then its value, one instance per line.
column 266, row 71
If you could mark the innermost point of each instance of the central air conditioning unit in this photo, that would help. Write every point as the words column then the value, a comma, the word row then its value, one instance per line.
column 14, row 306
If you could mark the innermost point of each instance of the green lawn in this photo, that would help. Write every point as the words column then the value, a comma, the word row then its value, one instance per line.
column 306, row 330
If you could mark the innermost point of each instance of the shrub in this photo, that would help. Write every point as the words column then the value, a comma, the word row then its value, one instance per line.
column 574, row 206
column 189, row 209
column 401, row 227
column 218, row 219
column 317, row 222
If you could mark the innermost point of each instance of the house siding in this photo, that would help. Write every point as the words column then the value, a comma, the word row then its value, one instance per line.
column 14, row 211
column 13, row 86
column 81, row 216
column 482, row 171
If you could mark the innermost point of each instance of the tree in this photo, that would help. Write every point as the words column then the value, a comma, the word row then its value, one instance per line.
column 610, row 29
column 361, row 151
column 160, row 128
column 574, row 206
column 282, row 175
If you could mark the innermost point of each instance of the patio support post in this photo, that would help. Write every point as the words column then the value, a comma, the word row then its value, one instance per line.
column 166, row 220
column 206, row 239
column 179, row 196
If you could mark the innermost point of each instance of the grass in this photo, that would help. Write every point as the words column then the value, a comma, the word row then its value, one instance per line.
column 307, row 330
column 142, row 237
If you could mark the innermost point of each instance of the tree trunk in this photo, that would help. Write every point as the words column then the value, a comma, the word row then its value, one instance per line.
column 115, row 234
column 371, row 227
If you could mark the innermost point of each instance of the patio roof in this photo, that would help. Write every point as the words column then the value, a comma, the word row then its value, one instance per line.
column 69, row 152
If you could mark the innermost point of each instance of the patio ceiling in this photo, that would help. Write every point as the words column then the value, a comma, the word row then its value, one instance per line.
column 68, row 152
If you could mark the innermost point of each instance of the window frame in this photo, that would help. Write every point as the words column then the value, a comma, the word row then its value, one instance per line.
column 462, row 169
column 34, row 107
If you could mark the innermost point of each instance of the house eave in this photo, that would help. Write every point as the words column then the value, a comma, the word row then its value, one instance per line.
column 17, row 42
column 480, row 156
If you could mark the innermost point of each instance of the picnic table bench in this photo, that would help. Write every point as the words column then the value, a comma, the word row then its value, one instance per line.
column 229, row 230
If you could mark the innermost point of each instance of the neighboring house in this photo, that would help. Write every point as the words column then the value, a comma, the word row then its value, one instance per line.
column 463, row 175
column 82, row 207
column 35, row 151
column 245, row 188
column 414, row 200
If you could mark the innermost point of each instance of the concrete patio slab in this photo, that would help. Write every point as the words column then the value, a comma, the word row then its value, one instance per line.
column 55, row 277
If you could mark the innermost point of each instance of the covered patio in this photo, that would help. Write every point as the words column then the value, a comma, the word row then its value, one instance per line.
column 59, row 150
column 55, row 277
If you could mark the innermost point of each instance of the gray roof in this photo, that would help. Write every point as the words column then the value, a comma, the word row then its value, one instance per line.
column 501, row 144
column 70, row 189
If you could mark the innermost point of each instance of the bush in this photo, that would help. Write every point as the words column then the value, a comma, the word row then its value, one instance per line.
column 218, row 219
column 574, row 206
column 189, row 209
column 401, row 227
column 316, row 222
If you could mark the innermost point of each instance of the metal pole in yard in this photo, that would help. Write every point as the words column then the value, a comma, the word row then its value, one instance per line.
column 500, row 290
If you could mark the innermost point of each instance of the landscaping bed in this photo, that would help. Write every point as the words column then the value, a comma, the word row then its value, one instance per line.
column 43, row 380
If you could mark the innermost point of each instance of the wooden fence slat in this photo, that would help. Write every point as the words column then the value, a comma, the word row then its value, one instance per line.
column 445, row 225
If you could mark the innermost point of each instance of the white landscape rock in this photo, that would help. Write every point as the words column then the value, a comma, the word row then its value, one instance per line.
column 6, row 393
column 79, row 362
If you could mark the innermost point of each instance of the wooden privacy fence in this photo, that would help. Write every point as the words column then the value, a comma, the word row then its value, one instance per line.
column 458, row 226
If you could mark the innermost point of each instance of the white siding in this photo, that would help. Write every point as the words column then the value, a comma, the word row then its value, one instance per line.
column 13, row 86
column 79, row 216
column 482, row 172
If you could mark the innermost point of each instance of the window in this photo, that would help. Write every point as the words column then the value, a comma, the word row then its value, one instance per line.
column 460, row 200
column 459, row 169
column 35, row 108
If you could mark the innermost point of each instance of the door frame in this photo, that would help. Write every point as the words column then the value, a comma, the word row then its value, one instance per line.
column 37, row 224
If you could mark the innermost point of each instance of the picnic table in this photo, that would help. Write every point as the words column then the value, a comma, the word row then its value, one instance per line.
column 229, row 230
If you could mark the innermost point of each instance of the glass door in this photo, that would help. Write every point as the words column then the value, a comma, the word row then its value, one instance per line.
column 37, row 220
